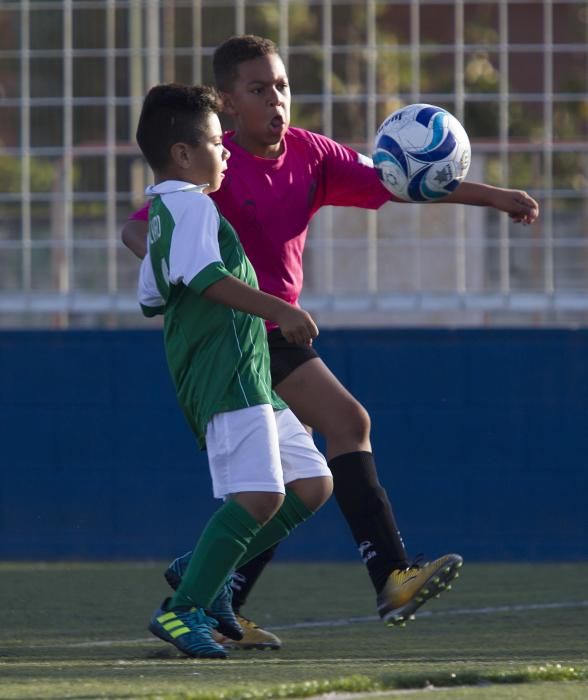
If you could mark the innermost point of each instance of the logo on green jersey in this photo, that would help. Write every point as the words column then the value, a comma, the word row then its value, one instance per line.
column 154, row 229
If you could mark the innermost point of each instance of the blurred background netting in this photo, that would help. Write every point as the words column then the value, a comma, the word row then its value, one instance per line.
column 73, row 74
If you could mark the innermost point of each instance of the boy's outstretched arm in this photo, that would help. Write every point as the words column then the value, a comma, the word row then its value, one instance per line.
column 134, row 236
column 296, row 324
column 519, row 205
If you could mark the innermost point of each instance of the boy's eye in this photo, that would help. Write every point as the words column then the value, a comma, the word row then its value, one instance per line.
column 281, row 87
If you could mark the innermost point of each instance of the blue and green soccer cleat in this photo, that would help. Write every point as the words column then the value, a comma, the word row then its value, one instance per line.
column 175, row 571
column 190, row 631
column 221, row 607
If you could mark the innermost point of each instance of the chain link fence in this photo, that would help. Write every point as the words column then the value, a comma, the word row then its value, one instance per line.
column 73, row 74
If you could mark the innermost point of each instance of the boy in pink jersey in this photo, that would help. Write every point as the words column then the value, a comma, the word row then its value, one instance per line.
column 278, row 177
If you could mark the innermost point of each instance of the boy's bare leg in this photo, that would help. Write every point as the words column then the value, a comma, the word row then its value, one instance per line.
column 319, row 400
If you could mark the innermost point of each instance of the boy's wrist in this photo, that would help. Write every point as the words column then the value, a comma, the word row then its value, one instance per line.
column 489, row 194
column 276, row 307
column 475, row 193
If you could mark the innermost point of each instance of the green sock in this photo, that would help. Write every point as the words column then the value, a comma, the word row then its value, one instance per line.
column 223, row 542
column 291, row 514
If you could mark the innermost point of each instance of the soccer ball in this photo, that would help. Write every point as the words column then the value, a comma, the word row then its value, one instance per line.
column 421, row 153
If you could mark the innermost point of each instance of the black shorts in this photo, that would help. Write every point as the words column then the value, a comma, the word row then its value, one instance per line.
column 285, row 356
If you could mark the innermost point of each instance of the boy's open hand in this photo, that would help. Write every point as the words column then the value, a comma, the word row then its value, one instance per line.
column 297, row 325
column 519, row 205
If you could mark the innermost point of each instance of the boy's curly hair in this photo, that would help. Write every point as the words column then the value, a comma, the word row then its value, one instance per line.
column 173, row 113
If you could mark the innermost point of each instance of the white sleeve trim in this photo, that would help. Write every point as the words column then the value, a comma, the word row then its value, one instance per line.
column 365, row 160
column 147, row 291
column 195, row 239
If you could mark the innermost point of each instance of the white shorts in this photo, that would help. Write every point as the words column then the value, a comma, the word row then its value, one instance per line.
column 259, row 449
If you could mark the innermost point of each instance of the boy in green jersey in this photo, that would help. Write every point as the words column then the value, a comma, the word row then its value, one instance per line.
column 263, row 463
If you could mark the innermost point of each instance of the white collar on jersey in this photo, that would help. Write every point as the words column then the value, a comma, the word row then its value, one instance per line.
column 169, row 186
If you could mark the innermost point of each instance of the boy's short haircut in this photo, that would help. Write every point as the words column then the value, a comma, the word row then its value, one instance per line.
column 232, row 52
column 173, row 113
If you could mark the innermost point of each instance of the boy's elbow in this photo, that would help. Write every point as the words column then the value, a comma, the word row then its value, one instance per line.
column 134, row 237
column 124, row 236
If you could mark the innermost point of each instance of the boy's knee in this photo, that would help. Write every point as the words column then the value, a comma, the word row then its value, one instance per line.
column 313, row 492
column 324, row 490
column 353, row 422
column 262, row 506
column 268, row 507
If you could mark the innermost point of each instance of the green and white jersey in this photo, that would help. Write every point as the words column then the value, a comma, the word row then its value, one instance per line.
column 218, row 357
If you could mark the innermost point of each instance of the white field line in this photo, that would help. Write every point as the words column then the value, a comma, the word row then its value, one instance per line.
column 441, row 613
column 369, row 618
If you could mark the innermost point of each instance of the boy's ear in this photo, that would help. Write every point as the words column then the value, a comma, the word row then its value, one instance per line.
column 227, row 102
column 181, row 155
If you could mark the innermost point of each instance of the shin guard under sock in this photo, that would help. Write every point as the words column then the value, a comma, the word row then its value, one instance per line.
column 224, row 541
column 365, row 506
column 292, row 512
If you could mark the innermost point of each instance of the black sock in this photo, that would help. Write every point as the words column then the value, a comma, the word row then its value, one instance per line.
column 365, row 505
column 245, row 577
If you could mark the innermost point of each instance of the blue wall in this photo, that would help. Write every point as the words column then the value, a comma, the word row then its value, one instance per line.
column 481, row 439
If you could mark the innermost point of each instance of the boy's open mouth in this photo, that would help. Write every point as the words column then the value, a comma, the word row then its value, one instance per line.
column 277, row 122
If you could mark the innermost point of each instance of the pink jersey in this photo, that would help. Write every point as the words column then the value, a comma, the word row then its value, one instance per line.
column 270, row 202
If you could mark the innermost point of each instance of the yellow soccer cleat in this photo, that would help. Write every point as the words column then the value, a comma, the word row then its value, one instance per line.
column 254, row 637
column 407, row 589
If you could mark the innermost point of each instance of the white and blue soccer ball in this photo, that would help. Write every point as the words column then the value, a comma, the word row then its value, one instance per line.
column 421, row 153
